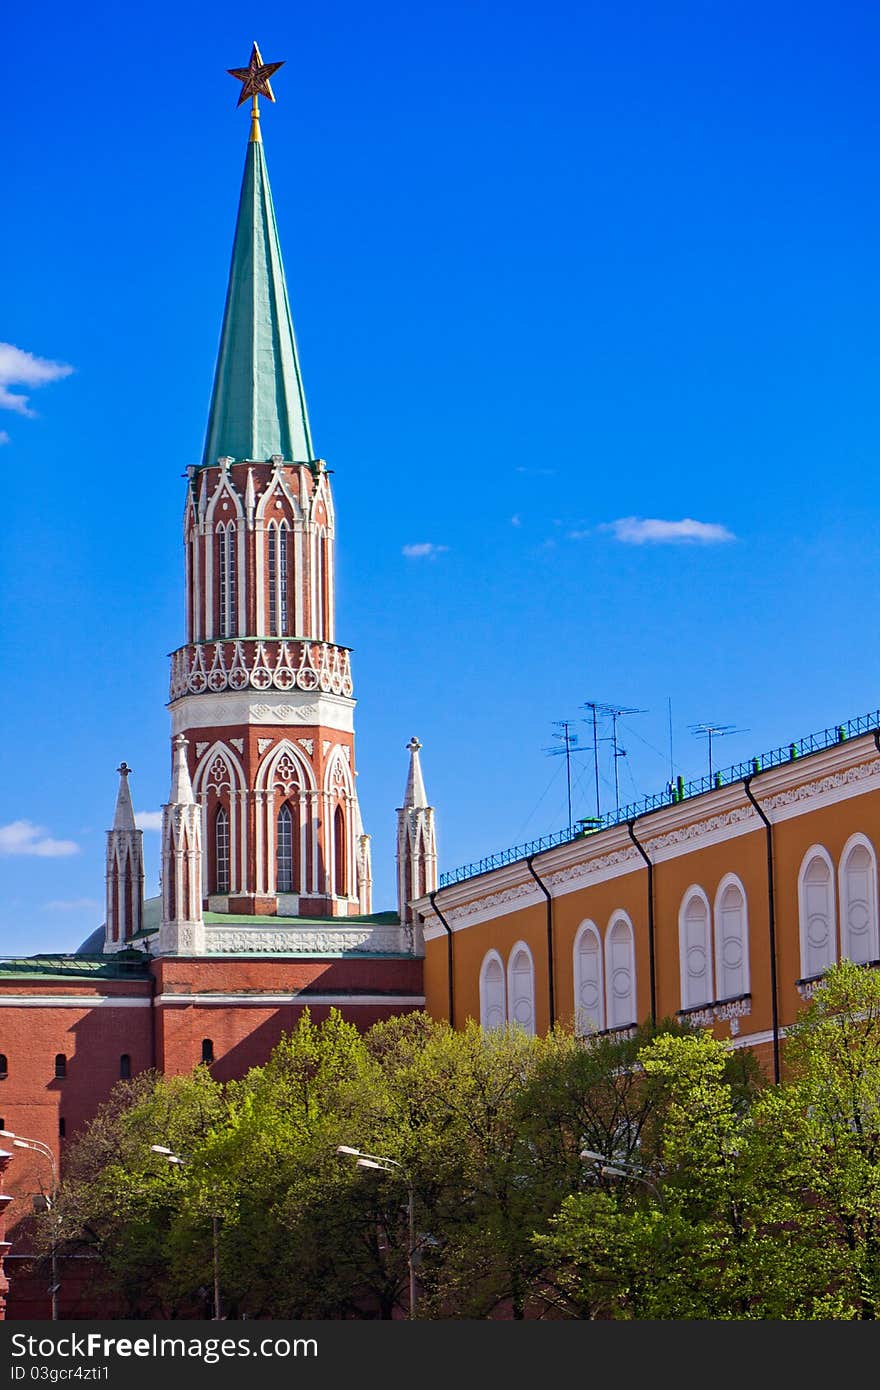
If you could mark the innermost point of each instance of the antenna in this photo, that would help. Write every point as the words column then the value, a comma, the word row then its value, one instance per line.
column 614, row 712
column 710, row 731
column 570, row 741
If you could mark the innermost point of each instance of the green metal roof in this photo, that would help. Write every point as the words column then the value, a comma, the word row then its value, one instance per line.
column 258, row 407
column 120, row 966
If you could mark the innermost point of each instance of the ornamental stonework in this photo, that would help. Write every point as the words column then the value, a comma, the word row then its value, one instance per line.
column 318, row 941
column 238, row 664
column 808, row 790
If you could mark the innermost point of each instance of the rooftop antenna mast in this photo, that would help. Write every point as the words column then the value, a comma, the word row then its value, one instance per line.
column 570, row 746
column 713, row 731
column 614, row 712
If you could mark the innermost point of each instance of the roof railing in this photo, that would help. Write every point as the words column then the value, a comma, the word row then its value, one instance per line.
column 675, row 792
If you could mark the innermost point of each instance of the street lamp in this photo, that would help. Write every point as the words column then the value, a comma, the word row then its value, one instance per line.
column 174, row 1160
column 607, row 1168
column 391, row 1165
column 38, row 1147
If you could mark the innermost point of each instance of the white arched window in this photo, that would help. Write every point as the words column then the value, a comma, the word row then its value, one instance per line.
column 816, row 902
column 858, row 901
column 589, row 994
column 695, row 949
column 521, row 987
column 731, row 939
column 620, row 973
column 493, row 1000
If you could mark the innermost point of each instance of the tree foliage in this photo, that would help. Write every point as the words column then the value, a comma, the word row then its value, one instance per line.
column 717, row 1195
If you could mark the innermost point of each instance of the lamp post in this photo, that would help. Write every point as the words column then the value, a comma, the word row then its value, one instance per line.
column 176, row 1161
column 391, row 1165
column 38, row 1147
column 606, row 1168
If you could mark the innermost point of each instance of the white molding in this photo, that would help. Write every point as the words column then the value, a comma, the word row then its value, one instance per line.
column 262, row 1000
column 72, row 1001
column 266, row 707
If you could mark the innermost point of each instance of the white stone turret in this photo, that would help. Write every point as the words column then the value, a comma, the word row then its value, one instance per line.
column 182, row 932
column 416, row 841
column 125, row 872
column 364, row 864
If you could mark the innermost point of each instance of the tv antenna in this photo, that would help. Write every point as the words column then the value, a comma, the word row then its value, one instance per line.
column 614, row 712
column 713, row 731
column 569, row 746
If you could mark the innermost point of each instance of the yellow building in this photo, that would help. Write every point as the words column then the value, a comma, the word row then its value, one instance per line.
column 722, row 902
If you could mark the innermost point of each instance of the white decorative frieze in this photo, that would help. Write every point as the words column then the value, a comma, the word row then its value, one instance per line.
column 238, row 744
column 240, row 664
column 327, row 940
column 574, row 874
column 698, row 829
column 834, row 782
column 200, row 748
column 308, row 744
column 724, row 1010
column 263, row 744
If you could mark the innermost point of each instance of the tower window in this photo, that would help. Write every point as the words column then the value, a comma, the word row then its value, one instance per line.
column 284, row 851
column 125, row 1066
column 62, row 1128
column 226, row 566
column 221, row 846
column 207, row 1050
column 339, row 856
column 282, row 576
column 4, row 1069
column 60, row 1066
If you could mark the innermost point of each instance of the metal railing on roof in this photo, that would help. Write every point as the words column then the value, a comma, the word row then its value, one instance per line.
column 675, row 792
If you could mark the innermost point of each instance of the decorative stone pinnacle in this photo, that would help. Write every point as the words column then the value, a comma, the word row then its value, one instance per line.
column 123, row 769
column 414, row 745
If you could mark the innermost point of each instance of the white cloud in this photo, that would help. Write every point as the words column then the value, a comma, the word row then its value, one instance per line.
column 4, row 437
column 634, row 530
column 423, row 550
column 578, row 535
column 19, row 368
column 23, row 837
column 148, row 820
column 72, row 904
column 516, row 520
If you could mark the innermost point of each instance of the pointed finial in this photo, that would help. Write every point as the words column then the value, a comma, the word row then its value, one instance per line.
column 415, row 787
column 124, row 817
column 254, row 81
column 181, row 786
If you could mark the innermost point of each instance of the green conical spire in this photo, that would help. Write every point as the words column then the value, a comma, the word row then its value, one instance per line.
column 258, row 407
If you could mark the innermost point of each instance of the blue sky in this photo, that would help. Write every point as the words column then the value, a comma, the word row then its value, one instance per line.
column 556, row 271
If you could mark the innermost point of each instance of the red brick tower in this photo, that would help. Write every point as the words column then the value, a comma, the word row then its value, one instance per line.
column 261, row 691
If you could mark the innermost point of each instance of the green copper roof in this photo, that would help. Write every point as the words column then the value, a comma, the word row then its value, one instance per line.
column 258, row 407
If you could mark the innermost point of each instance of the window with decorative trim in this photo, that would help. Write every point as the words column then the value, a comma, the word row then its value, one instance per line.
column 221, row 850
column 818, row 928
column 589, row 990
column 695, row 949
column 859, row 940
column 620, row 973
column 284, row 850
column 521, row 988
column 493, row 998
column 731, row 940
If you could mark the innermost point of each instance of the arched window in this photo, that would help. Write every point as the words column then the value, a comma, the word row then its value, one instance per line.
column 521, row 988
column 4, row 1069
column 284, row 851
column 731, row 940
column 339, row 855
column 60, row 1066
column 319, row 584
column 278, row 585
column 589, row 1001
column 221, row 850
column 816, row 901
column 695, row 949
column 125, row 1066
column 858, row 901
column 620, row 973
column 207, row 1050
column 226, row 573
column 493, row 1003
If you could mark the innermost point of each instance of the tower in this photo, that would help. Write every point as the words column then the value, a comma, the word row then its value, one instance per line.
column 416, row 843
column 261, row 690
column 182, row 928
column 125, row 872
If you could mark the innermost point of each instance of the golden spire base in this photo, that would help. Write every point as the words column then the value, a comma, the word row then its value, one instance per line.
column 256, row 137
